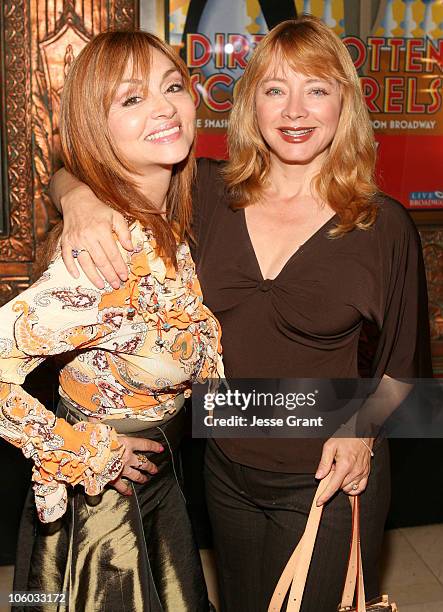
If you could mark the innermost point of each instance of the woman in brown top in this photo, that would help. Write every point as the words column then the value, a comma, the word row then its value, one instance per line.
column 295, row 250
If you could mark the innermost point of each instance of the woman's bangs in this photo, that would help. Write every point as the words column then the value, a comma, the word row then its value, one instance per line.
column 308, row 60
column 140, row 57
column 136, row 53
column 113, row 73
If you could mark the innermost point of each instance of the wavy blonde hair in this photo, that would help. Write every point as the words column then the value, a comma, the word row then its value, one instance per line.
column 346, row 179
column 88, row 150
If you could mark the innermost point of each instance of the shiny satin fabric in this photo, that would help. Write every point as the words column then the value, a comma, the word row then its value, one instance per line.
column 115, row 553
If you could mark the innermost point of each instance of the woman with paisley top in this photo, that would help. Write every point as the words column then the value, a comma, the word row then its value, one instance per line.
column 130, row 352
column 296, row 250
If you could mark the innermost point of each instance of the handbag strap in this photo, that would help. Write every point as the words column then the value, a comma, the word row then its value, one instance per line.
column 296, row 570
column 295, row 573
column 354, row 574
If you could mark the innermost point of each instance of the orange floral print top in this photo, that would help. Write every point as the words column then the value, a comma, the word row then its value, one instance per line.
column 131, row 352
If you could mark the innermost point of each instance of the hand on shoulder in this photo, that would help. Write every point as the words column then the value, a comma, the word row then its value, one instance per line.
column 91, row 229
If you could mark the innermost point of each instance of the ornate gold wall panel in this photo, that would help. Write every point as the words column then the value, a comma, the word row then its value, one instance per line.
column 432, row 240
column 41, row 38
column 18, row 246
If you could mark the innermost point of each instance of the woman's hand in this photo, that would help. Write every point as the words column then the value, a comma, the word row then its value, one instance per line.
column 134, row 463
column 88, row 227
column 350, row 460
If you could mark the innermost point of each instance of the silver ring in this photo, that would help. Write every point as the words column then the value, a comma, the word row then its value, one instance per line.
column 354, row 487
column 76, row 252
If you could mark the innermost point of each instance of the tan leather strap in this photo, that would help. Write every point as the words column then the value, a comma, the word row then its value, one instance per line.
column 284, row 583
column 295, row 573
column 354, row 574
column 296, row 570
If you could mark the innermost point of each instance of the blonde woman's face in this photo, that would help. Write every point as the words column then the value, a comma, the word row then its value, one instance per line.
column 297, row 115
column 156, row 128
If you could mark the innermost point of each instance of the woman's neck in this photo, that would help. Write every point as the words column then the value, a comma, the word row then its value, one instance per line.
column 290, row 181
column 154, row 185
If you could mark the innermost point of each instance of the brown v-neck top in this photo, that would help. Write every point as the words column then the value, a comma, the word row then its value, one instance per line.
column 306, row 323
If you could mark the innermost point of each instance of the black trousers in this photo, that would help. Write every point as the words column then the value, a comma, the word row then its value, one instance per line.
column 258, row 518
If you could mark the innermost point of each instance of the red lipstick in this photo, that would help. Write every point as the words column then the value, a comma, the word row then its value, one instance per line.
column 296, row 136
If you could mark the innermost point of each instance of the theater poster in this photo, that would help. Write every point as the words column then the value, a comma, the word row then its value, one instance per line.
column 396, row 45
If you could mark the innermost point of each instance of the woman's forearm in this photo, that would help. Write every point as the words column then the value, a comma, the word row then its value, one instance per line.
column 61, row 184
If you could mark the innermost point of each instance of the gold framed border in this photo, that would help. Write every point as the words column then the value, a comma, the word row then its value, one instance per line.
column 31, row 109
column 18, row 244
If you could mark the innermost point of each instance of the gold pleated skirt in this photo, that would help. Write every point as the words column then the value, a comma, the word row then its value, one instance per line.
column 112, row 553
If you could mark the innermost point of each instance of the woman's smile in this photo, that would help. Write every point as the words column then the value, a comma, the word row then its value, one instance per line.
column 165, row 134
column 296, row 135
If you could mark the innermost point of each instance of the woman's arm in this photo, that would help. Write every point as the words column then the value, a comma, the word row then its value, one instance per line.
column 62, row 183
column 348, row 451
column 403, row 350
column 91, row 225
column 86, row 453
column 57, row 315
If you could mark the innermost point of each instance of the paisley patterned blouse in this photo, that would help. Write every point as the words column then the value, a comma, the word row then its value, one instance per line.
column 130, row 352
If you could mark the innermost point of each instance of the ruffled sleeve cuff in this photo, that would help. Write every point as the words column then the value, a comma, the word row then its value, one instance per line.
column 97, row 460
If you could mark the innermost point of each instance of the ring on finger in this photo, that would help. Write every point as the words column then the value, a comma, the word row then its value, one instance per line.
column 124, row 481
column 142, row 460
column 354, row 486
column 76, row 252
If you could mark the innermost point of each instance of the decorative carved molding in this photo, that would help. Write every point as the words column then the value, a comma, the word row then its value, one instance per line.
column 11, row 287
column 125, row 14
column 432, row 241
column 53, row 52
column 19, row 245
